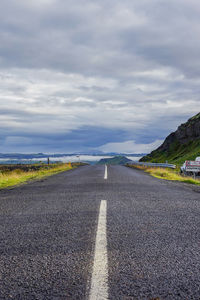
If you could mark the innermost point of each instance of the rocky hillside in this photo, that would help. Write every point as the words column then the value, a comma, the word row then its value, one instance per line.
column 180, row 145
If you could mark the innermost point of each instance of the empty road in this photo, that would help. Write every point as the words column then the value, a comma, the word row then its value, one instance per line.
column 99, row 233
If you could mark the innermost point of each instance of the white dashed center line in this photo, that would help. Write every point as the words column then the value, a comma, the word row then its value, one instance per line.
column 99, row 282
column 106, row 172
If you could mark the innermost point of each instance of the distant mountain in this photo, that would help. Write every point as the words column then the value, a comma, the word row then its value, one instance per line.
column 44, row 155
column 181, row 145
column 125, row 154
column 116, row 160
column 100, row 153
column 22, row 156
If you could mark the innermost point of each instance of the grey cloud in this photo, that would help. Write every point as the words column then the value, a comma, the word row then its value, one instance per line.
column 111, row 64
column 87, row 38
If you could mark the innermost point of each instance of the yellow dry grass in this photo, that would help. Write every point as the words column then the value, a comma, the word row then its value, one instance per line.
column 168, row 174
column 18, row 176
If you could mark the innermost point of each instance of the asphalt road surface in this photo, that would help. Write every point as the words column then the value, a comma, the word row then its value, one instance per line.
column 84, row 235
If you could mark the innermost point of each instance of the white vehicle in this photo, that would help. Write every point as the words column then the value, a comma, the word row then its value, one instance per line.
column 191, row 167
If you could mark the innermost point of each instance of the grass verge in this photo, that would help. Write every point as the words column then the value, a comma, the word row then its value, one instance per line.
column 177, row 154
column 167, row 174
column 18, row 176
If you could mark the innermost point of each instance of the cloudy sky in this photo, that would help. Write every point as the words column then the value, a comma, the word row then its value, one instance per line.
column 109, row 75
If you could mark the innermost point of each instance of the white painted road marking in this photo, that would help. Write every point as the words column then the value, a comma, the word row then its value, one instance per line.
column 99, row 282
column 106, row 172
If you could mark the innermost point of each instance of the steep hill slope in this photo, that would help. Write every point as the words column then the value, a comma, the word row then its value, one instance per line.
column 180, row 145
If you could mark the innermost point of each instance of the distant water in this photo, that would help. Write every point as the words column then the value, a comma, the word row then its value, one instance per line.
column 92, row 159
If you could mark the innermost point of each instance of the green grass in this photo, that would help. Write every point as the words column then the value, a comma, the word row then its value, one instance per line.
column 167, row 174
column 179, row 150
column 195, row 117
column 18, row 176
column 177, row 154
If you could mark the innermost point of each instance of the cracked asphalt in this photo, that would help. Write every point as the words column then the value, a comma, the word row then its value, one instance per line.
column 48, row 231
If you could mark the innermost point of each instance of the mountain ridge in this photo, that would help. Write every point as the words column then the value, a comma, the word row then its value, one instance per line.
column 180, row 145
column 116, row 160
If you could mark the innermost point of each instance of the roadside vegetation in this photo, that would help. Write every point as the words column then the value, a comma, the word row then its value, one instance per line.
column 20, row 174
column 167, row 174
column 177, row 154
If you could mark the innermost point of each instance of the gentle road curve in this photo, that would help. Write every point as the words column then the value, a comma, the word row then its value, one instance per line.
column 96, row 234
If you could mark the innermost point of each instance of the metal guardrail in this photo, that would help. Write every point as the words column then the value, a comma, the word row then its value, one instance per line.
column 146, row 164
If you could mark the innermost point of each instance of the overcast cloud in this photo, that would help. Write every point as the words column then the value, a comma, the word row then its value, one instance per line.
column 107, row 75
